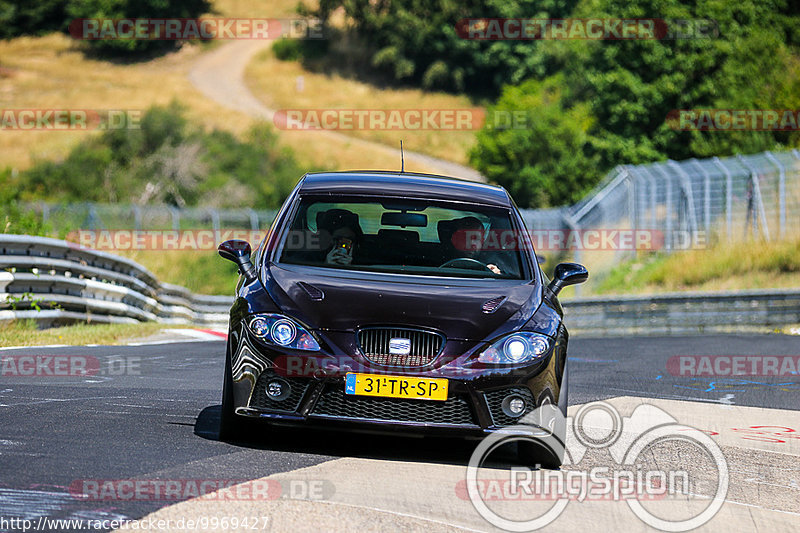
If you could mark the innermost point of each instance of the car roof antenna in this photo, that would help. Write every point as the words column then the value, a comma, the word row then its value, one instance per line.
column 402, row 159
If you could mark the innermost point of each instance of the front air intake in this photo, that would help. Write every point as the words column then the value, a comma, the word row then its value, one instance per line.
column 400, row 346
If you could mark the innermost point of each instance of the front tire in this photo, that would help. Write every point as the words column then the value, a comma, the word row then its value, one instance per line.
column 230, row 425
column 563, row 393
column 549, row 452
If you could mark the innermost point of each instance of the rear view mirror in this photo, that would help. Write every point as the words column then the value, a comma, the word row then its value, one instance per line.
column 567, row 274
column 238, row 252
column 414, row 220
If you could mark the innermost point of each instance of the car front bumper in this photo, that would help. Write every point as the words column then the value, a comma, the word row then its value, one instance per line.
column 317, row 398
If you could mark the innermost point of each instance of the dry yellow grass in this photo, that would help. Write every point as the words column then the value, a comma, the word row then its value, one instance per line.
column 275, row 83
column 200, row 271
column 257, row 8
column 53, row 72
column 25, row 333
column 724, row 267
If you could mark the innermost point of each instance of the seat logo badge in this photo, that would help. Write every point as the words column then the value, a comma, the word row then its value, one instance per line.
column 399, row 346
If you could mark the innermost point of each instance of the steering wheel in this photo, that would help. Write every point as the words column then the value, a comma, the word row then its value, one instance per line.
column 466, row 262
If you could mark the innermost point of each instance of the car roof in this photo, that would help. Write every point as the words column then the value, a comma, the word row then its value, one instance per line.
column 408, row 184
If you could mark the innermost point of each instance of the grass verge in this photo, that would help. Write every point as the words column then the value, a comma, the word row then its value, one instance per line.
column 276, row 83
column 202, row 272
column 725, row 267
column 25, row 333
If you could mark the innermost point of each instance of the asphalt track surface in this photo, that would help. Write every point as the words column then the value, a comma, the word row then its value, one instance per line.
column 152, row 412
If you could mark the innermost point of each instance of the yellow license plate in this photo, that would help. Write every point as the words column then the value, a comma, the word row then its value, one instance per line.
column 396, row 386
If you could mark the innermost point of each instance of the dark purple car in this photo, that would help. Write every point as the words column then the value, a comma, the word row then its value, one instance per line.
column 395, row 302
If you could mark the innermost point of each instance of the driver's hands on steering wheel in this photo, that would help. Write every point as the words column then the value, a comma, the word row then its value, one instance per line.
column 494, row 269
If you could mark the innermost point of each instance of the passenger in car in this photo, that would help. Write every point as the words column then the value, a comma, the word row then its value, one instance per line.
column 344, row 232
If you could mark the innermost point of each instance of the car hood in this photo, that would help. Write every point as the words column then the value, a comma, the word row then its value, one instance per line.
column 354, row 299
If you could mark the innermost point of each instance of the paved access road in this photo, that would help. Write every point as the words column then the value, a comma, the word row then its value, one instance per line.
column 150, row 413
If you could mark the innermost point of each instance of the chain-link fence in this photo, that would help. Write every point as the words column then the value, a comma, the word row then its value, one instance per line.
column 89, row 216
column 689, row 203
column 680, row 202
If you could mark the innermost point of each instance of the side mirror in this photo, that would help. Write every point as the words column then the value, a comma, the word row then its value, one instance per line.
column 238, row 252
column 567, row 274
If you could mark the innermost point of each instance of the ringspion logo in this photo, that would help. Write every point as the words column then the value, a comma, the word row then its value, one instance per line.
column 628, row 440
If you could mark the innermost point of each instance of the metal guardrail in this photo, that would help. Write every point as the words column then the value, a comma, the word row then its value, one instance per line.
column 72, row 284
column 56, row 282
column 681, row 313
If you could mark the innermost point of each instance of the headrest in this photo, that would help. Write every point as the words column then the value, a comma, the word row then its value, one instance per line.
column 448, row 228
column 333, row 219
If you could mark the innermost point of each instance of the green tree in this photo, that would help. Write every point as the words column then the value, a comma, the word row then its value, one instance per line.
column 15, row 218
column 128, row 9
column 26, row 17
column 561, row 168
column 169, row 160
column 417, row 41
column 627, row 89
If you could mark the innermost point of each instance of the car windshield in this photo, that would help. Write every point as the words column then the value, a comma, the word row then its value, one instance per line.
column 404, row 236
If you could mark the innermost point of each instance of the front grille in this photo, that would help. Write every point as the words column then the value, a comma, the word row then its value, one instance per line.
column 335, row 403
column 494, row 400
column 260, row 399
column 425, row 346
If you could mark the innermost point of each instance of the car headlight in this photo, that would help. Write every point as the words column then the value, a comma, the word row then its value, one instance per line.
column 519, row 347
column 283, row 331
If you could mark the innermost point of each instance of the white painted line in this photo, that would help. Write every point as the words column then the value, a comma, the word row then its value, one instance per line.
column 193, row 335
column 34, row 346
column 156, row 343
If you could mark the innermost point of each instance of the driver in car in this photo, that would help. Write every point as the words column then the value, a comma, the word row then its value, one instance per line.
column 467, row 238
